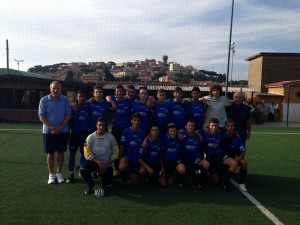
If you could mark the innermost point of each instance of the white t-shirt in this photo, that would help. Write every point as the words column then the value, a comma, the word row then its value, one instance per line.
column 216, row 109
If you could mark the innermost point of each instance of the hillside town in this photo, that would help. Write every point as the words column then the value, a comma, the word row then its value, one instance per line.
column 137, row 71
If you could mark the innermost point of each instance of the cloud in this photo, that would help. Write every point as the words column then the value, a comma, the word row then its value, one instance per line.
column 190, row 32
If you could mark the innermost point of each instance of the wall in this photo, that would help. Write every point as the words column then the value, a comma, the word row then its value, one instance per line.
column 294, row 112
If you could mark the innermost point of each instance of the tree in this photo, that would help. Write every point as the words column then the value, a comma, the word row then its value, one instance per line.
column 70, row 76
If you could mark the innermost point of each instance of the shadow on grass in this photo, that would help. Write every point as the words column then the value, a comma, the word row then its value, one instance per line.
column 271, row 191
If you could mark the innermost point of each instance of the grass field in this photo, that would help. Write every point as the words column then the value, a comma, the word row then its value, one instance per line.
column 26, row 198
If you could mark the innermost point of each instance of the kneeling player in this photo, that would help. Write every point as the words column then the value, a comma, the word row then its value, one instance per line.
column 100, row 152
column 151, row 160
column 216, row 156
column 235, row 148
column 130, row 144
column 171, row 155
column 191, row 154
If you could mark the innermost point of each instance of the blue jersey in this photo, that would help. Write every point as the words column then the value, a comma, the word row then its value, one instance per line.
column 97, row 110
column 233, row 145
column 171, row 148
column 80, row 119
column 131, row 141
column 190, row 146
column 122, row 115
column 153, row 153
column 161, row 115
column 177, row 113
column 196, row 111
column 212, row 142
column 145, row 113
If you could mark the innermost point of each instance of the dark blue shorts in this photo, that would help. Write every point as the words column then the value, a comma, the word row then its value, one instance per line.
column 216, row 162
column 55, row 142
column 77, row 140
column 170, row 166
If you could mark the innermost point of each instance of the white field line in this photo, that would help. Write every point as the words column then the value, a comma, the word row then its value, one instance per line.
column 20, row 129
column 273, row 133
column 266, row 212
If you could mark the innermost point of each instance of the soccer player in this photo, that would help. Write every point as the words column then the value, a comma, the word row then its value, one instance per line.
column 240, row 113
column 98, row 107
column 161, row 111
column 235, row 148
column 196, row 109
column 216, row 106
column 140, row 106
column 55, row 113
column 79, row 125
column 177, row 108
column 216, row 156
column 151, row 158
column 130, row 145
column 171, row 156
column 122, row 112
column 100, row 151
column 191, row 152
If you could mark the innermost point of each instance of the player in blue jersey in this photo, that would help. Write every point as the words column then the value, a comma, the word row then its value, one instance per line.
column 191, row 152
column 161, row 111
column 235, row 148
column 196, row 109
column 140, row 106
column 151, row 158
column 177, row 109
column 130, row 149
column 122, row 112
column 212, row 137
column 98, row 107
column 171, row 156
column 79, row 125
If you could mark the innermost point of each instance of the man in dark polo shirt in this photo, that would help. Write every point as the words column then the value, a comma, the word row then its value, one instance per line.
column 239, row 112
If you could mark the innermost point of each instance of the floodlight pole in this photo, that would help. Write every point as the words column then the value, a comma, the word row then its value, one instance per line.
column 229, row 49
column 233, row 51
column 18, row 62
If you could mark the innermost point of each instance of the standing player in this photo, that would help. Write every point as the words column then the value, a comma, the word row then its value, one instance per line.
column 240, row 113
column 216, row 156
column 196, row 109
column 140, row 106
column 151, row 161
column 191, row 152
column 98, row 107
column 100, row 152
column 177, row 108
column 130, row 145
column 161, row 111
column 216, row 106
column 235, row 148
column 79, row 132
column 171, row 156
column 55, row 113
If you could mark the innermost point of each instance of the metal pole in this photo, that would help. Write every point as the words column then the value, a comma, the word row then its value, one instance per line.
column 229, row 48
column 7, row 57
column 232, row 45
column 288, row 107
column 18, row 62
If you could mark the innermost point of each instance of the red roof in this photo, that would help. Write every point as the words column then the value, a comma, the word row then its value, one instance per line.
column 283, row 83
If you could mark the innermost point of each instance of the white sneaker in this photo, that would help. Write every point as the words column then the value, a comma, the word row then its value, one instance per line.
column 242, row 187
column 52, row 178
column 60, row 178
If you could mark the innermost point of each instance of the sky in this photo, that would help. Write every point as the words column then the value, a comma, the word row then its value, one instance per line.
column 192, row 32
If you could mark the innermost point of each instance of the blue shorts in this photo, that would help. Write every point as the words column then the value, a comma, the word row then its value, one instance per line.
column 55, row 142
column 77, row 140
column 216, row 162
column 170, row 166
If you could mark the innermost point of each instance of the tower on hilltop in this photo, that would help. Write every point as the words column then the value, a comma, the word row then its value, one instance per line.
column 165, row 59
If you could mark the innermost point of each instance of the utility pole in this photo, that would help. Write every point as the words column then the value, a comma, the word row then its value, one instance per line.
column 18, row 62
column 7, row 57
